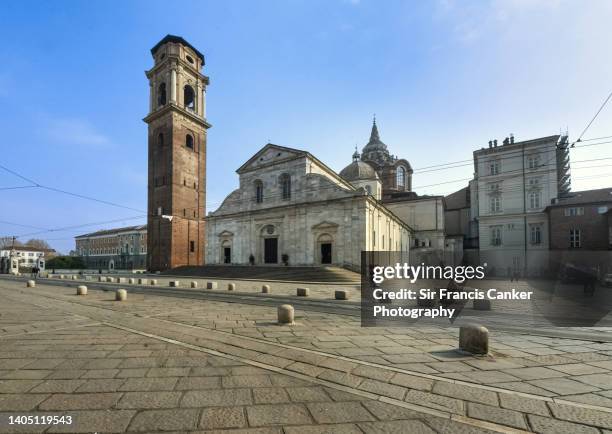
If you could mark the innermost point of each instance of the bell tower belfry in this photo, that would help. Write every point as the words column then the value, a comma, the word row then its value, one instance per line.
column 177, row 155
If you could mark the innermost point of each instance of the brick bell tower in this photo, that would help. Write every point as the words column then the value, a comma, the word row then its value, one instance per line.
column 177, row 155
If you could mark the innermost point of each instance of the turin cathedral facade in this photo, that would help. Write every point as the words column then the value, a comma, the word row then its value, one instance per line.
column 291, row 208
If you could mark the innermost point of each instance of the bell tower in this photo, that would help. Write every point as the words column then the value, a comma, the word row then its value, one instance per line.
column 177, row 155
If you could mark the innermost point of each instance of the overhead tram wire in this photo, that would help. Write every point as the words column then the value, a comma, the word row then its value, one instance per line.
column 594, row 117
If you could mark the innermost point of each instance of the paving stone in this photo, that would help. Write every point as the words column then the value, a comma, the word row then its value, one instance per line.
column 287, row 381
column 278, row 414
column 547, row 425
column 590, row 398
column 101, row 385
column 27, row 374
column 132, row 373
column 143, row 384
column 305, row 368
column 323, row 429
column 465, row 392
column 17, row 386
column 246, row 381
column 534, row 373
column 523, row 387
column 446, row 426
column 20, row 402
column 397, row 426
column 58, row 386
column 215, row 398
column 165, row 420
column 582, row 415
column 341, row 378
column 578, row 369
column 493, row 364
column 340, row 395
column 384, row 389
column 384, row 411
column 198, row 383
column 339, row 412
column 524, row 404
column 412, row 381
column 209, row 371
column 373, row 373
column 81, row 401
column 270, row 395
column 66, row 374
column 438, row 402
column 307, row 394
column 110, row 421
column 222, row 417
column 145, row 400
column 496, row 415
column 563, row 386
column 601, row 381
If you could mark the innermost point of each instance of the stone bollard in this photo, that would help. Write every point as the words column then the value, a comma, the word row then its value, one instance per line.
column 211, row 285
column 30, row 284
column 265, row 289
column 153, row 282
column 231, row 286
column 131, row 280
column 88, row 278
column 142, row 281
column 174, row 284
column 73, row 277
column 474, row 339
column 286, row 314
column 341, row 294
column 109, row 279
column 101, row 279
column 120, row 295
column 303, row 292
column 194, row 284
column 482, row 304
column 61, row 276
column 81, row 290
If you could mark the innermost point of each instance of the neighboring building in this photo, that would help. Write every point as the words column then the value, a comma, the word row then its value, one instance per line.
column 23, row 258
column 290, row 207
column 177, row 155
column 121, row 248
column 513, row 185
column 461, row 226
column 579, row 229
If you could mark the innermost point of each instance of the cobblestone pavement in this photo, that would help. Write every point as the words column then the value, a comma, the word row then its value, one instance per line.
column 215, row 365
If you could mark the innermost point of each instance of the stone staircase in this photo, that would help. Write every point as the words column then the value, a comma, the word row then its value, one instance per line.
column 296, row 274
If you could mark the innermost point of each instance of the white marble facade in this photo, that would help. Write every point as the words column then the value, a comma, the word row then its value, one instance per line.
column 290, row 207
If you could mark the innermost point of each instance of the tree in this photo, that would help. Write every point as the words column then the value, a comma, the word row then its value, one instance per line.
column 7, row 242
column 66, row 262
column 39, row 244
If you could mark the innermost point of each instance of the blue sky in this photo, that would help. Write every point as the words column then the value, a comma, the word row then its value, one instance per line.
column 443, row 78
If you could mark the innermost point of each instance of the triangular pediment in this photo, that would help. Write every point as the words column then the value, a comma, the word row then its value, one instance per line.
column 226, row 234
column 325, row 225
column 270, row 154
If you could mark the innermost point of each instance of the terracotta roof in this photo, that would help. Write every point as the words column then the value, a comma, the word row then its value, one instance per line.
column 584, row 197
column 113, row 231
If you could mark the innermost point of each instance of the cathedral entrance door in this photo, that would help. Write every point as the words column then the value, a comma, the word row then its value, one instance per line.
column 271, row 250
column 227, row 255
column 326, row 253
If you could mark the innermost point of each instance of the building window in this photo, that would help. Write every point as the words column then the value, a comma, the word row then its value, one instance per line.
column 535, row 199
column 160, row 140
column 285, row 182
column 496, row 235
column 189, row 98
column 368, row 189
column 494, row 167
column 192, row 246
column 495, row 204
column 574, row 211
column 535, row 234
column 161, row 95
column 533, row 161
column 401, row 177
column 602, row 210
column 258, row 191
column 189, row 141
column 575, row 238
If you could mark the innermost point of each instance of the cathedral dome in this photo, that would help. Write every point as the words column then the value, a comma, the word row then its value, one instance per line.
column 358, row 171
